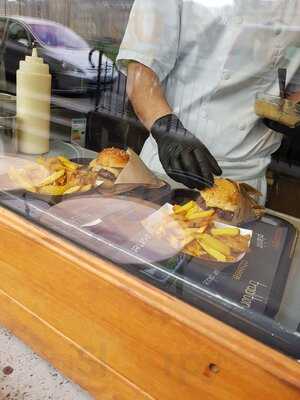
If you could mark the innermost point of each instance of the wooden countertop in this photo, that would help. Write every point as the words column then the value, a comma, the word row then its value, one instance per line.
column 118, row 336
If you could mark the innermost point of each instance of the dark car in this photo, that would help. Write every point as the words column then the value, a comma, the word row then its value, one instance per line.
column 73, row 64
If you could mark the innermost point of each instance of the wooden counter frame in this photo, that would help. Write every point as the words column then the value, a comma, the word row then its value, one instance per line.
column 120, row 338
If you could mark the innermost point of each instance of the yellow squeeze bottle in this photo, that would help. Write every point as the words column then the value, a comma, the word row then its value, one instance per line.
column 33, row 105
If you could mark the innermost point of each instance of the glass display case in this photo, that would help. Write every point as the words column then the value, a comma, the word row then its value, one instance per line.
column 148, row 101
column 254, row 292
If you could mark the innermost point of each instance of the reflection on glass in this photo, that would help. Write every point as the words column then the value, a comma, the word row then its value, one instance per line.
column 55, row 35
column 217, row 249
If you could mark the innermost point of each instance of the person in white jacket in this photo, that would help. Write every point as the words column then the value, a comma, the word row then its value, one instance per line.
column 194, row 68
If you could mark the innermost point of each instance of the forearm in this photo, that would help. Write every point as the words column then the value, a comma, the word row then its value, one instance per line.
column 146, row 94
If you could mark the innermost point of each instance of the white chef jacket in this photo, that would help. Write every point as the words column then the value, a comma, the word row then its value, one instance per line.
column 212, row 57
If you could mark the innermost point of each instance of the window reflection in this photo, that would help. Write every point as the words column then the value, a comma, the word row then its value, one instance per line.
column 210, row 61
column 55, row 35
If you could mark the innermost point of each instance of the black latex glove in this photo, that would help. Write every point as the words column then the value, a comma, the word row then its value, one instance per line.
column 277, row 127
column 184, row 157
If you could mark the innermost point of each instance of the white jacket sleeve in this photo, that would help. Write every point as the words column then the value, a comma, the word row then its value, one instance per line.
column 152, row 36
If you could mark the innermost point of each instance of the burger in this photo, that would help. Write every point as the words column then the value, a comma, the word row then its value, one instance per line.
column 224, row 197
column 109, row 164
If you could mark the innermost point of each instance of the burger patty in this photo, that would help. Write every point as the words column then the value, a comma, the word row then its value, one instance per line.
column 106, row 174
column 202, row 202
column 222, row 214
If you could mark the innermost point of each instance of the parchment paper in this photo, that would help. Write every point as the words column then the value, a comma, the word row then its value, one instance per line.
column 134, row 175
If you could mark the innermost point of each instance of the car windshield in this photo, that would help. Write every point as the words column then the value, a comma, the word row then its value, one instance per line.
column 58, row 36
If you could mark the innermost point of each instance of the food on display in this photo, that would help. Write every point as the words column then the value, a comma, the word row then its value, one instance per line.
column 109, row 164
column 234, row 202
column 54, row 176
column 115, row 170
column 223, row 197
column 196, row 231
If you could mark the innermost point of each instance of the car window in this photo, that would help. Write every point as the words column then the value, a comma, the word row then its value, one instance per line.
column 17, row 33
column 56, row 35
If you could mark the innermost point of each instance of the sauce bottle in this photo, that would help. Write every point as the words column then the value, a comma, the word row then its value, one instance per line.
column 33, row 105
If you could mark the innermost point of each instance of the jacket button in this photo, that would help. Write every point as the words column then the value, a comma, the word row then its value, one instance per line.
column 203, row 114
column 278, row 31
column 226, row 75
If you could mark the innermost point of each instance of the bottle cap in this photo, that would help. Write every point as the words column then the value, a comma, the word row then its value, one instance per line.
column 34, row 64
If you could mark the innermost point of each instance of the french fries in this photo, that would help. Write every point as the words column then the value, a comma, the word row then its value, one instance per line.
column 215, row 244
column 182, row 209
column 73, row 189
column 54, row 176
column 191, row 216
column 71, row 166
column 86, row 188
column 238, row 244
column 233, row 232
column 194, row 249
column 192, row 229
column 52, row 190
column 213, row 252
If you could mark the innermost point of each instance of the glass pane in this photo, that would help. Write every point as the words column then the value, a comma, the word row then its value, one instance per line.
column 182, row 92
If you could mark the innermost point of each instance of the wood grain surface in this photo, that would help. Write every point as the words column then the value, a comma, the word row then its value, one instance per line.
column 121, row 338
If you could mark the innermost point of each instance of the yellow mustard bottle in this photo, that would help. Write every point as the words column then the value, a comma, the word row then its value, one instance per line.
column 33, row 105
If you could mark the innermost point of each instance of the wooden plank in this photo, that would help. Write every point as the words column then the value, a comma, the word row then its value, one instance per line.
column 154, row 341
column 82, row 367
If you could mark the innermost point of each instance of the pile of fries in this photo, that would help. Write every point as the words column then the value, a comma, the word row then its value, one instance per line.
column 55, row 176
column 193, row 229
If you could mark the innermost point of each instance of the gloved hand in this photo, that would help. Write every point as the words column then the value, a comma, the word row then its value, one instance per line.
column 277, row 127
column 183, row 156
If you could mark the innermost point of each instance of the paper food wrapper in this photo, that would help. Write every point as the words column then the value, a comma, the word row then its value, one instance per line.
column 135, row 174
column 248, row 209
column 6, row 163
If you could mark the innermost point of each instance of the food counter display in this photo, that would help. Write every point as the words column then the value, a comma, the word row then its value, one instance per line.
column 136, row 289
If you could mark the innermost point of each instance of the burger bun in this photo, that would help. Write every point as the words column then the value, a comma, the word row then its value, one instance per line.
column 223, row 195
